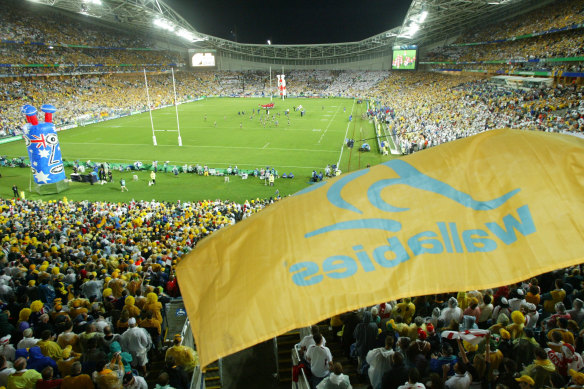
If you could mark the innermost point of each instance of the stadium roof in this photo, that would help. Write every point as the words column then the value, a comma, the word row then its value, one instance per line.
column 427, row 22
column 447, row 18
column 144, row 15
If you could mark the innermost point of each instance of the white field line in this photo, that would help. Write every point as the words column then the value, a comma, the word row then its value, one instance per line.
column 346, row 132
column 329, row 124
column 201, row 147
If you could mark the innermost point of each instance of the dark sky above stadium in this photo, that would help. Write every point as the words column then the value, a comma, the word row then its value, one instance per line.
column 292, row 21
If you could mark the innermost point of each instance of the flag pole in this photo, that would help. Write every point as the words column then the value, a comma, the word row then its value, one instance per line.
column 149, row 108
column 176, row 107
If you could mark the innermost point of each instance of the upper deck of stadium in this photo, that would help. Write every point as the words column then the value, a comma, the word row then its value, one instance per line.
column 428, row 23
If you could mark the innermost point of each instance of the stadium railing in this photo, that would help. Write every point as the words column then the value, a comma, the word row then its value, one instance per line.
column 383, row 134
column 197, row 381
column 302, row 382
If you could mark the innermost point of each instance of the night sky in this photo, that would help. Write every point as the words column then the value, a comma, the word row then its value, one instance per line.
column 292, row 22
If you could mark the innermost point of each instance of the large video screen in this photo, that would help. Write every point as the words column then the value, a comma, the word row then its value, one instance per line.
column 200, row 59
column 404, row 59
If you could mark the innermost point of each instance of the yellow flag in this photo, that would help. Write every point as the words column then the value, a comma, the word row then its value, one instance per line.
column 480, row 212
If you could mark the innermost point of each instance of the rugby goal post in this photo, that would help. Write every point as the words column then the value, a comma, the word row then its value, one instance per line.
column 154, row 141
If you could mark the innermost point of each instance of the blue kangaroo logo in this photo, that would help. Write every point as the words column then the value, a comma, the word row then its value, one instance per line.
column 407, row 175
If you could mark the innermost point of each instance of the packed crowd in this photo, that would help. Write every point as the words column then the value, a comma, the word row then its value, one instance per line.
column 555, row 69
column 24, row 24
column 426, row 109
column 556, row 15
column 88, row 93
column 83, row 288
column 561, row 44
column 84, row 99
column 559, row 14
column 27, row 21
column 76, row 59
column 523, row 336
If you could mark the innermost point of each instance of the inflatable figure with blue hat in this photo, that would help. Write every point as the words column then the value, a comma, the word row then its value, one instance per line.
column 44, row 150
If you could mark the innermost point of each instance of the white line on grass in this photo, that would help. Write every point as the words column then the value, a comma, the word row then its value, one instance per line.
column 266, row 145
column 346, row 132
column 201, row 147
column 329, row 124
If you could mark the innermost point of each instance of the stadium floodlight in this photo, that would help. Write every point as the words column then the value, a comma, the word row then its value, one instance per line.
column 410, row 30
column 269, row 42
column 189, row 36
column 185, row 34
column 95, row 2
column 414, row 27
column 164, row 24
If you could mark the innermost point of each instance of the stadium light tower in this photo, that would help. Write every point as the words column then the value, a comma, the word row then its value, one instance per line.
column 164, row 24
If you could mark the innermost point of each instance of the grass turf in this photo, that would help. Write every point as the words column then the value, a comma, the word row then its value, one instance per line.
column 225, row 138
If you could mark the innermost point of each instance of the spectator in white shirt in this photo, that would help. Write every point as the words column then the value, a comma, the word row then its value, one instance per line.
column 320, row 359
column 28, row 340
column 308, row 340
column 379, row 360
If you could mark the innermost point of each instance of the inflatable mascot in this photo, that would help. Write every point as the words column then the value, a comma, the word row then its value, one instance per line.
column 43, row 147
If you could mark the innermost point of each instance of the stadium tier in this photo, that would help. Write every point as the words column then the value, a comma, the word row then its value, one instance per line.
column 164, row 135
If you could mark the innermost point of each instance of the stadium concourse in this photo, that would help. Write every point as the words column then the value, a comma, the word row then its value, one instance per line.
column 76, row 275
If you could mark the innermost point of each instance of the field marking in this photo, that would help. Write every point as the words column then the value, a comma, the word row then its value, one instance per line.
column 346, row 132
column 209, row 163
column 201, row 130
column 266, row 145
column 188, row 129
column 329, row 124
column 200, row 147
column 316, row 130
